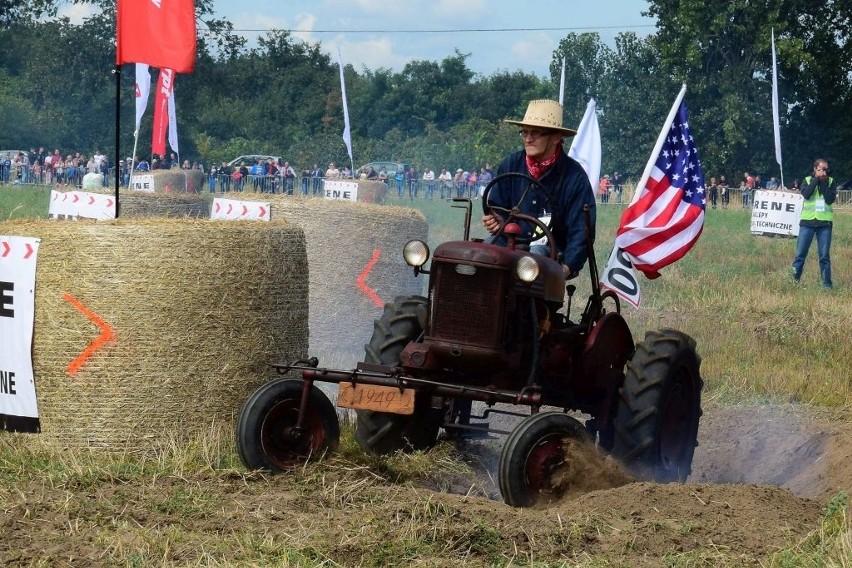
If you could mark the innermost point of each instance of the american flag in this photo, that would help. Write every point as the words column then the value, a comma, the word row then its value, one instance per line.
column 666, row 216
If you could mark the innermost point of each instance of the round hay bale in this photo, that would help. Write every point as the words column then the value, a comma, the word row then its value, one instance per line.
column 178, row 181
column 197, row 309
column 344, row 240
column 146, row 204
column 372, row 191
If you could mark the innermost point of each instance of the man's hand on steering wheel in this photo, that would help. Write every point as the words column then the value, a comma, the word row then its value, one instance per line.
column 492, row 221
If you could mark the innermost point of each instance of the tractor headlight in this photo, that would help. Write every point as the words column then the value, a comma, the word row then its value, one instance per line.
column 415, row 253
column 527, row 269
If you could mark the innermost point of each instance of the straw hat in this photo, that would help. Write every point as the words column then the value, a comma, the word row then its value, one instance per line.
column 544, row 113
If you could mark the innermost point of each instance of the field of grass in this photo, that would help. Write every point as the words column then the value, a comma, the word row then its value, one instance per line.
column 761, row 337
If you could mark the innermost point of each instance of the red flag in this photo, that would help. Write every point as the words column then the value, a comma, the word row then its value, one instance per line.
column 666, row 216
column 160, row 33
column 165, row 86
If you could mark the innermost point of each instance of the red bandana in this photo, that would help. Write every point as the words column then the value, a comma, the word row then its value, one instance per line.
column 537, row 169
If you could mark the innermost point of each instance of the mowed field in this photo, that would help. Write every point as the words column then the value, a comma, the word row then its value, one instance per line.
column 769, row 484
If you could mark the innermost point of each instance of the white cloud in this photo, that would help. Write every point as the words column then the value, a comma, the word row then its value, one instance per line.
column 370, row 53
column 533, row 52
column 76, row 13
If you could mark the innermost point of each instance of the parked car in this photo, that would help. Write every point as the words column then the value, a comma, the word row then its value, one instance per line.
column 250, row 159
column 390, row 167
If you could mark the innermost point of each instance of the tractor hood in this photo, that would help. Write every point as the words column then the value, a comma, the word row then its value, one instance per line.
column 550, row 284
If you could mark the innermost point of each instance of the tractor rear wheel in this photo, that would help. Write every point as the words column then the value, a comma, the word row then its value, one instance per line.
column 534, row 456
column 267, row 433
column 656, row 423
column 381, row 432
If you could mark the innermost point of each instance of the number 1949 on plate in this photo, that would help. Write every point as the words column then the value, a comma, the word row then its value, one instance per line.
column 375, row 397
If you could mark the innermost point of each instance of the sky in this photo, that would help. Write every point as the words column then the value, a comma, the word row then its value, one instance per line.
column 498, row 35
column 390, row 33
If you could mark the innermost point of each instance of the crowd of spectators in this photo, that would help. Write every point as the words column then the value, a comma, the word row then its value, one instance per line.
column 719, row 190
column 409, row 182
column 271, row 176
column 43, row 167
column 52, row 168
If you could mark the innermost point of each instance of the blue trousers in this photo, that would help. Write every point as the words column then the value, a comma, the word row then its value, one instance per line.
column 823, row 238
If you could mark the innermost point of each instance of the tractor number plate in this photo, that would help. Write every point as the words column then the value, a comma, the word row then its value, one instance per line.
column 375, row 397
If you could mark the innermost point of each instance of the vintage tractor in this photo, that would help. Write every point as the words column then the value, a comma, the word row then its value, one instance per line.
column 492, row 330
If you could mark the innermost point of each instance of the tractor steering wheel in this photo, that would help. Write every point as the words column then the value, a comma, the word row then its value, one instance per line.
column 514, row 214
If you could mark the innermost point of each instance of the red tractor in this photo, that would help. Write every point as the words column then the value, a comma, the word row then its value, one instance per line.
column 492, row 330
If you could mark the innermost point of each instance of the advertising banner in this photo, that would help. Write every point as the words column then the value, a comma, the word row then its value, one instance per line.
column 18, row 408
column 776, row 213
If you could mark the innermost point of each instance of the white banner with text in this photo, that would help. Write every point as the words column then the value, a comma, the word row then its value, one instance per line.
column 142, row 182
column 776, row 213
column 18, row 408
column 343, row 190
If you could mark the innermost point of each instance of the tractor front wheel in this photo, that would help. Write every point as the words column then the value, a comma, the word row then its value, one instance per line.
column 381, row 432
column 268, row 436
column 656, row 423
column 535, row 457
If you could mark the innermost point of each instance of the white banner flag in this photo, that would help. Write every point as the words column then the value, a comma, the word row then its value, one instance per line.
column 586, row 146
column 143, row 88
column 18, row 406
column 775, row 120
column 173, row 137
column 347, row 132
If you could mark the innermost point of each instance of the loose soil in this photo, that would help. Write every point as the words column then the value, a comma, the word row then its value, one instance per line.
column 761, row 478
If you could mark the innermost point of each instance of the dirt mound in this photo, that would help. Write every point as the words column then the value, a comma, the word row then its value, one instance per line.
column 790, row 446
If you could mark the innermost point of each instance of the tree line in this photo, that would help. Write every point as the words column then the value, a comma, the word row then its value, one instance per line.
column 282, row 96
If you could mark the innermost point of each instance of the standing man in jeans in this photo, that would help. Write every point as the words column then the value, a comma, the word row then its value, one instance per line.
column 819, row 192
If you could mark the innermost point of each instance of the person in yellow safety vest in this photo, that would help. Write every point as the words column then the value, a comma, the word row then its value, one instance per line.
column 819, row 192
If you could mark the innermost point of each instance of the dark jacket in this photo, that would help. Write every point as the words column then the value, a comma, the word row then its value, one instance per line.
column 568, row 188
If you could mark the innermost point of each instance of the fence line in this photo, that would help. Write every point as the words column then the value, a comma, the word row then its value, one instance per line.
column 313, row 186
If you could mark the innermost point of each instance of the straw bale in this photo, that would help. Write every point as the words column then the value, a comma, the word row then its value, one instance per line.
column 371, row 191
column 178, row 181
column 342, row 238
column 146, row 204
column 198, row 308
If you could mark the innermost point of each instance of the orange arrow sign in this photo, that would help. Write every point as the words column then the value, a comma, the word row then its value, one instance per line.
column 107, row 334
column 362, row 279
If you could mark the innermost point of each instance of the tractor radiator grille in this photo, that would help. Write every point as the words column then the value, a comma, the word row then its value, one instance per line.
column 467, row 308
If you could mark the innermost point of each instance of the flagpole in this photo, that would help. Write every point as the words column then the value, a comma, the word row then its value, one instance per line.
column 562, row 84
column 658, row 146
column 133, row 158
column 117, row 134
